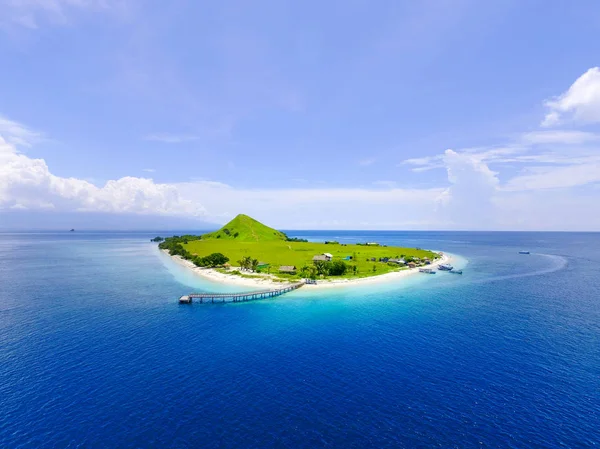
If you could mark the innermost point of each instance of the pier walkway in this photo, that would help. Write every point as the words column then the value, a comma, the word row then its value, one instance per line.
column 204, row 298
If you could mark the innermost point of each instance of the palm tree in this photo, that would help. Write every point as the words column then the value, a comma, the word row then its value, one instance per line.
column 304, row 271
column 254, row 264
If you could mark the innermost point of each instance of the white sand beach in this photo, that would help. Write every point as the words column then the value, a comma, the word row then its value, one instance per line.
column 266, row 281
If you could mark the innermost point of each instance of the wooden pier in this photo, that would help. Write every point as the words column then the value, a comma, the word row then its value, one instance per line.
column 211, row 298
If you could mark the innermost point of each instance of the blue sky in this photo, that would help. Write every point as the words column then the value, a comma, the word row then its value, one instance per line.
column 343, row 115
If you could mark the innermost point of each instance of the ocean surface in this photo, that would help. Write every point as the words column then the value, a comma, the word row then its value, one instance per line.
column 95, row 351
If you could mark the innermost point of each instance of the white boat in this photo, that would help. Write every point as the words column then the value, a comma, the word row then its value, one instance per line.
column 426, row 271
column 445, row 267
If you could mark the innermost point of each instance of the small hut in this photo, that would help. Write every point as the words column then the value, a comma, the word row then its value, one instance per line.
column 287, row 269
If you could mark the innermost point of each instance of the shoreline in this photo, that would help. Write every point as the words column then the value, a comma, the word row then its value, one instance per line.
column 267, row 282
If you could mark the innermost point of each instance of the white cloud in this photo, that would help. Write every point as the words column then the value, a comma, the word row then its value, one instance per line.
column 27, row 183
column 17, row 134
column 567, row 137
column 30, row 13
column 171, row 138
column 556, row 177
column 149, row 170
column 468, row 202
column 580, row 103
column 388, row 184
column 313, row 208
column 424, row 163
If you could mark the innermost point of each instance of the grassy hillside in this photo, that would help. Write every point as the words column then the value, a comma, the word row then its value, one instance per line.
column 245, row 229
column 244, row 237
column 277, row 253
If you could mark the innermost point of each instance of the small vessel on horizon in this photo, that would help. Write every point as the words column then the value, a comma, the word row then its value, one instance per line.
column 524, row 252
column 445, row 267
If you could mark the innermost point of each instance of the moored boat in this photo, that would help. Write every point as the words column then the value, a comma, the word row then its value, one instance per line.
column 185, row 300
column 445, row 267
column 426, row 271
column 455, row 271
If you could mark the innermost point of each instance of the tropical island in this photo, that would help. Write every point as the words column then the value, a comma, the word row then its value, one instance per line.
column 247, row 252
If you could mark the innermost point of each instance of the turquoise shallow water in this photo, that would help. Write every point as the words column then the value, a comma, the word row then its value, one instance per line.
column 95, row 352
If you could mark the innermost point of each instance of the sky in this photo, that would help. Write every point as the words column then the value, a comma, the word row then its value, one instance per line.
column 391, row 115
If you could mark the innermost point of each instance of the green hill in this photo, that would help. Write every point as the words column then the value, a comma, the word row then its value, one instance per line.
column 246, row 229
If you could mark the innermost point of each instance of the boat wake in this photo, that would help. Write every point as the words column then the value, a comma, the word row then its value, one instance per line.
column 558, row 263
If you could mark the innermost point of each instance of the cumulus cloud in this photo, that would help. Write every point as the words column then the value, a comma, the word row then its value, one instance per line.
column 580, row 103
column 27, row 183
column 469, row 199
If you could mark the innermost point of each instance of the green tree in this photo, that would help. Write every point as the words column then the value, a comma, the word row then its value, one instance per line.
column 216, row 259
column 304, row 270
column 254, row 264
column 337, row 268
column 322, row 267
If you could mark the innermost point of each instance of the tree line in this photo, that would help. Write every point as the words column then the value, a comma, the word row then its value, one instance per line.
column 174, row 245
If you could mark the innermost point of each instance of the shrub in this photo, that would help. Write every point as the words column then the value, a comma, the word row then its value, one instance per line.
column 337, row 268
column 212, row 260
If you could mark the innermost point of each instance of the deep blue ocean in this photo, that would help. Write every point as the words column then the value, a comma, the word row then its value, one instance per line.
column 95, row 351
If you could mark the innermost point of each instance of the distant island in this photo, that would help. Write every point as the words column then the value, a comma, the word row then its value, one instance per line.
column 245, row 251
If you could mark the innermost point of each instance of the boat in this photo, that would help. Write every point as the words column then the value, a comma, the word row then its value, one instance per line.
column 445, row 267
column 185, row 299
column 72, row 230
column 455, row 271
column 524, row 252
column 426, row 271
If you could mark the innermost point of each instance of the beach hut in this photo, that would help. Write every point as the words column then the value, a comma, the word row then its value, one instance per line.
column 411, row 265
column 321, row 257
column 288, row 269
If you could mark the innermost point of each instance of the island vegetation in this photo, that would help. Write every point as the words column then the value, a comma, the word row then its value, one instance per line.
column 248, row 248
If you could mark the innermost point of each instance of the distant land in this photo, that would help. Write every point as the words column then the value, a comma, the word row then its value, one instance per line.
column 245, row 248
